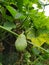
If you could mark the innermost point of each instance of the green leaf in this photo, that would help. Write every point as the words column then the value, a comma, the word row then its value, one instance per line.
column 27, row 55
column 35, row 51
column 15, row 13
column 20, row 4
column 39, row 63
column 3, row 12
column 9, row 25
column 0, row 63
column 26, row 2
column 37, row 41
column 12, row 10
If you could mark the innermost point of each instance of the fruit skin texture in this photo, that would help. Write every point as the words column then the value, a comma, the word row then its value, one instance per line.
column 21, row 43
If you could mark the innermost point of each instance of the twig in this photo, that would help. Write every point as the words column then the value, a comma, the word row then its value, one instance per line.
column 9, row 31
column 27, row 41
column 38, row 47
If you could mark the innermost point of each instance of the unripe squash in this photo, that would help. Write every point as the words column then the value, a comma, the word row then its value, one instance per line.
column 21, row 43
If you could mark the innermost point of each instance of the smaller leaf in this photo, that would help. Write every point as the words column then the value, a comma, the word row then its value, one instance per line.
column 38, row 63
column 26, row 2
column 20, row 4
column 27, row 55
column 0, row 63
column 35, row 51
column 9, row 25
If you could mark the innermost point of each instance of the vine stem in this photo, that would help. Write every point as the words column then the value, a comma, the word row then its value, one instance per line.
column 35, row 60
column 38, row 47
column 27, row 41
column 9, row 31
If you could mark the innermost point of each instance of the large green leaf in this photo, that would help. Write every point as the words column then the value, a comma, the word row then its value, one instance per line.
column 12, row 10
column 15, row 13
column 26, row 2
column 38, row 40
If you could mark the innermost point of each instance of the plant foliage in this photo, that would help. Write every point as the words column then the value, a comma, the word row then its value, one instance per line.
column 24, row 33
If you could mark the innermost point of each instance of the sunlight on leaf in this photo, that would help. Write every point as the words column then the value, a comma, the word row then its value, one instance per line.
column 39, row 40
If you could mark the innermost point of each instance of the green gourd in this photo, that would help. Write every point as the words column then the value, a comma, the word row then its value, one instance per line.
column 21, row 42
